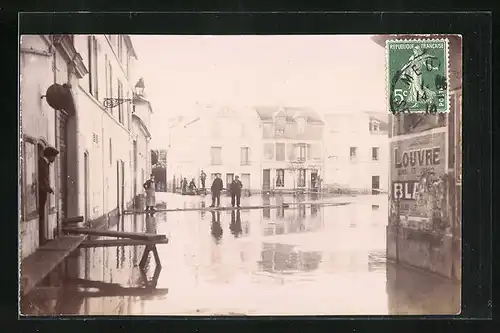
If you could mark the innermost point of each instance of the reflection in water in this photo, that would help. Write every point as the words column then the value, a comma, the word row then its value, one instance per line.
column 216, row 227
column 235, row 225
column 322, row 265
column 285, row 258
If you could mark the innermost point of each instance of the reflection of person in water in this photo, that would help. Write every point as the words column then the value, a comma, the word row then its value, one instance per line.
column 150, row 224
column 216, row 227
column 235, row 225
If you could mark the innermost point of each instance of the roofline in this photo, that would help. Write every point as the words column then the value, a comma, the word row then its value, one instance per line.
column 130, row 45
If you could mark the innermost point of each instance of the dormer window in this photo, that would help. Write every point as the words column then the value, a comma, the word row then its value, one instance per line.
column 301, row 124
column 280, row 126
column 374, row 126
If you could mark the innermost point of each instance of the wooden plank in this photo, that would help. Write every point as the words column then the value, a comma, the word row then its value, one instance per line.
column 38, row 265
column 291, row 205
column 123, row 292
column 119, row 242
column 71, row 220
column 112, row 233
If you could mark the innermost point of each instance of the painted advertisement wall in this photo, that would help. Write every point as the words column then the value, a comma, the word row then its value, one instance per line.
column 418, row 172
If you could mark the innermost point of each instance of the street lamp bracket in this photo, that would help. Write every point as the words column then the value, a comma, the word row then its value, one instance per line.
column 110, row 103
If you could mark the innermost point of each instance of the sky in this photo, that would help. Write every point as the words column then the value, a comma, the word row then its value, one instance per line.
column 329, row 73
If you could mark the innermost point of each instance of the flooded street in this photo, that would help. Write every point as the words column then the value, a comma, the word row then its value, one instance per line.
column 309, row 260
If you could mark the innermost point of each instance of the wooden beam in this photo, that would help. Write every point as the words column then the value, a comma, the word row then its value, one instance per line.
column 71, row 220
column 119, row 242
column 114, row 292
column 291, row 205
column 111, row 233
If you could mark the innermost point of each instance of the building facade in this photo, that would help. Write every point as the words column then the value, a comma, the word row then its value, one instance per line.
column 93, row 174
column 424, row 227
column 271, row 149
column 292, row 148
column 356, row 150
column 215, row 140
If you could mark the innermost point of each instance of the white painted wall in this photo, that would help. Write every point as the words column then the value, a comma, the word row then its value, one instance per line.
column 345, row 130
column 38, row 121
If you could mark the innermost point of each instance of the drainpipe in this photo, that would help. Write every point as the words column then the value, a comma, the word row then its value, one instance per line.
column 52, row 52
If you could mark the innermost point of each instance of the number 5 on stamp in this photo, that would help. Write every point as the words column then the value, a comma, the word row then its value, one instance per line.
column 417, row 76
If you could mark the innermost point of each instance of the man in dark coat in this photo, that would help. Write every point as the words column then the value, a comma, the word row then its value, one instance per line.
column 203, row 177
column 236, row 187
column 216, row 188
column 49, row 156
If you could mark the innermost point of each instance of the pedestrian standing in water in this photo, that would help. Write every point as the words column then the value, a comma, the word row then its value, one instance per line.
column 236, row 187
column 149, row 186
column 203, row 177
column 192, row 187
column 217, row 186
column 44, row 188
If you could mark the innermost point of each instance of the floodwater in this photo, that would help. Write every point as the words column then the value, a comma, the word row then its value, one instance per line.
column 312, row 260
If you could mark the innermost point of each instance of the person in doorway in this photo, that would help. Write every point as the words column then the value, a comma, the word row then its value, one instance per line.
column 149, row 186
column 236, row 187
column 203, row 177
column 216, row 188
column 192, row 186
column 44, row 188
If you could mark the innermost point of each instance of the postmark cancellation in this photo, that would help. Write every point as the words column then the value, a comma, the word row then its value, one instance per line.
column 417, row 75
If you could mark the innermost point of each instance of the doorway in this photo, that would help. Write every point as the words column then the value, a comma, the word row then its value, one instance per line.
column 314, row 181
column 266, row 179
column 86, row 185
column 375, row 185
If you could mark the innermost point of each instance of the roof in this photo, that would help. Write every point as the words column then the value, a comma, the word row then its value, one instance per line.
column 130, row 46
column 269, row 112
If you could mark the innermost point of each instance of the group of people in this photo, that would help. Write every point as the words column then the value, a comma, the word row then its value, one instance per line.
column 234, row 188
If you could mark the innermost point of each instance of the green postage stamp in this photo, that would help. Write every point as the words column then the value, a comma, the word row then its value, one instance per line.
column 417, row 76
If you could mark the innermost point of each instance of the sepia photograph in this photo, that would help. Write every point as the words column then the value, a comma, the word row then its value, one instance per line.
column 240, row 175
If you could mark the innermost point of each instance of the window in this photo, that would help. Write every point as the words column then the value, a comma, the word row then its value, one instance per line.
column 374, row 126
column 120, row 106
column 302, row 153
column 216, row 155
column 280, row 152
column 29, row 179
column 352, row 152
column 93, row 70
column 291, row 152
column 245, row 156
column 267, row 130
column 268, row 151
column 302, row 178
column 280, row 126
column 314, row 152
column 129, row 114
column 128, row 64
column 301, row 125
column 110, row 152
column 375, row 155
column 280, row 178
